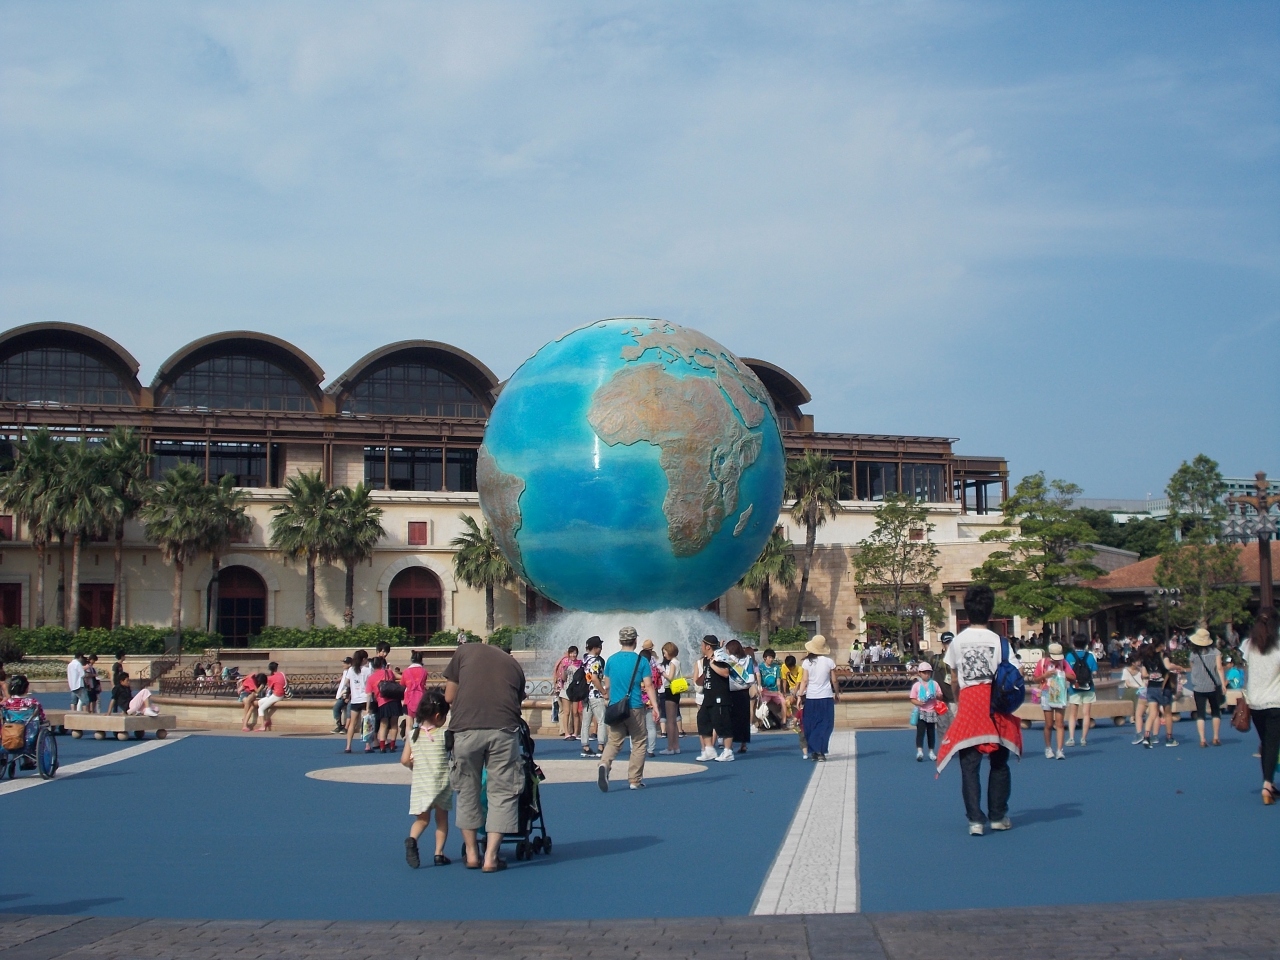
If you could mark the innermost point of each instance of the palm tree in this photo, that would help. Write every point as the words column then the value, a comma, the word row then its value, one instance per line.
column 814, row 487
column 24, row 490
column 358, row 523
column 227, row 523
column 304, row 527
column 84, row 497
column 127, row 466
column 480, row 563
column 176, row 516
column 775, row 565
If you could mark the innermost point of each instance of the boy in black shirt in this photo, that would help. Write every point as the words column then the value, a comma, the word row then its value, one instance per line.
column 121, row 693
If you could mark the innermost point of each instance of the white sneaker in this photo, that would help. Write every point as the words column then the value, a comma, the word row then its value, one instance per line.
column 919, row 755
column 706, row 754
column 1084, row 743
column 1048, row 753
column 1060, row 756
column 1070, row 743
column 804, row 754
column 975, row 830
column 932, row 755
column 726, row 756
column 1004, row 824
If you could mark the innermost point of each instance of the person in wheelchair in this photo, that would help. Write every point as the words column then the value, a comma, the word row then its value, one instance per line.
column 21, row 709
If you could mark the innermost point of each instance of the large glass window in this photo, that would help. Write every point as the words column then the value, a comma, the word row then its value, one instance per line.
column 876, row 479
column 238, row 383
column 461, row 470
column 242, row 605
column 411, row 468
column 413, row 602
column 844, row 473
column 412, row 390
column 247, row 462
column 923, row 481
column 167, row 454
column 57, row 375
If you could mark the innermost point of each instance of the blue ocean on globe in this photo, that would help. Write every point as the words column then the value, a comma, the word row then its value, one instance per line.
column 632, row 464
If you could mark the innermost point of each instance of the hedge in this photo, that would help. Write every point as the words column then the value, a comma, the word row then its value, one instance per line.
column 366, row 635
column 139, row 640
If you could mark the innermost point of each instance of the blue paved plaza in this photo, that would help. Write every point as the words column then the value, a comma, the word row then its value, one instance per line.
column 230, row 827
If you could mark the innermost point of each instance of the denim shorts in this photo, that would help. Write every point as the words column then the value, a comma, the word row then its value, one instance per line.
column 1159, row 695
column 1079, row 697
column 80, row 696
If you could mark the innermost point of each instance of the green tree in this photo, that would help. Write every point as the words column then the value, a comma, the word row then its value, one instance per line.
column 814, row 486
column 1145, row 536
column 1045, row 556
column 25, row 489
column 227, row 521
column 776, row 565
column 896, row 565
column 304, row 527
column 84, row 496
column 176, row 517
column 1207, row 572
column 359, row 528
column 127, row 467
column 480, row 563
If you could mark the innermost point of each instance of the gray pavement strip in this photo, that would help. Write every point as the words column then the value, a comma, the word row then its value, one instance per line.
column 1240, row 928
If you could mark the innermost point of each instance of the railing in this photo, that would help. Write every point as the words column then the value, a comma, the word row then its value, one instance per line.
column 894, row 677
column 320, row 686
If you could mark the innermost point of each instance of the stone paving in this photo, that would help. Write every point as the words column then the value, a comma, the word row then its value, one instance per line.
column 1239, row 928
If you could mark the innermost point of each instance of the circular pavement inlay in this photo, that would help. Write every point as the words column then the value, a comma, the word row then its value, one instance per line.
column 557, row 771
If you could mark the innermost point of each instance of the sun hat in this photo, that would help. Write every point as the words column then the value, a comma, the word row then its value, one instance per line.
column 818, row 646
column 1201, row 638
column 924, row 665
column 647, row 645
column 1055, row 651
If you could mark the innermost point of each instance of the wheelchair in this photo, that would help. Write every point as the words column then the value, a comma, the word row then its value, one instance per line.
column 39, row 749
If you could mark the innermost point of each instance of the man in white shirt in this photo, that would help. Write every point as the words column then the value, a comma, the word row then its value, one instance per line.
column 973, row 657
column 75, row 683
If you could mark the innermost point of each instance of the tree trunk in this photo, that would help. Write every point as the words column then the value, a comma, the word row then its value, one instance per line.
column 311, row 591
column 41, row 549
column 73, row 601
column 766, row 612
column 211, row 594
column 810, row 540
column 62, row 583
column 349, row 597
column 117, row 578
column 488, row 607
column 177, row 602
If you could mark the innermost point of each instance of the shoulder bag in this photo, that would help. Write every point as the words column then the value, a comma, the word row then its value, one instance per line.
column 1240, row 719
column 619, row 710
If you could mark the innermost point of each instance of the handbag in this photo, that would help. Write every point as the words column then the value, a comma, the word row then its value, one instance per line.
column 678, row 686
column 1240, row 719
column 619, row 710
column 14, row 737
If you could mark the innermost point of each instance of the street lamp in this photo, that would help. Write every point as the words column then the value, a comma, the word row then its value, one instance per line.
column 1167, row 599
column 1250, row 518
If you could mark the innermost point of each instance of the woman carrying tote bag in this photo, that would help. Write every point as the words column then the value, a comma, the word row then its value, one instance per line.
column 1262, row 691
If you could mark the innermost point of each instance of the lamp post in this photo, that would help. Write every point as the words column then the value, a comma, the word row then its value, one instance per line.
column 1242, row 526
column 1167, row 599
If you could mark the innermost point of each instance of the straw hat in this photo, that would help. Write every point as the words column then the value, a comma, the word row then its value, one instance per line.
column 1055, row 651
column 818, row 646
column 647, row 645
column 1201, row 638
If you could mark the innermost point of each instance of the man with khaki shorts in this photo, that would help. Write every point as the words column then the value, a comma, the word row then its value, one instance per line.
column 627, row 677
column 485, row 687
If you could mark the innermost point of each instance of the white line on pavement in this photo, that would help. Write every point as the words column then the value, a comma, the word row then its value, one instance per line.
column 33, row 780
column 816, row 869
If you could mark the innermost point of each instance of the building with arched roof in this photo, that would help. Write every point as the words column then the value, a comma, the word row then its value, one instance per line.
column 406, row 420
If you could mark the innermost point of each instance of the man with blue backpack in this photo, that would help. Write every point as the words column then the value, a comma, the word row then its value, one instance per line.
column 988, row 678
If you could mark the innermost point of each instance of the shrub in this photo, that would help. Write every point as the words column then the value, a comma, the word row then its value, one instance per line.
column 366, row 635
column 10, row 650
column 450, row 638
column 788, row 638
column 508, row 637
column 139, row 640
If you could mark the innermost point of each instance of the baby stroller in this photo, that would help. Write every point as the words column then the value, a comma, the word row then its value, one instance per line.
column 530, row 805
column 27, row 744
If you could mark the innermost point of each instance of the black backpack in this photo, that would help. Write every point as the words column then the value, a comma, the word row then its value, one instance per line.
column 1084, row 676
column 577, row 688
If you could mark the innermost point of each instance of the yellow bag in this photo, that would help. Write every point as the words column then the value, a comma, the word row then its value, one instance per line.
column 678, row 685
column 14, row 737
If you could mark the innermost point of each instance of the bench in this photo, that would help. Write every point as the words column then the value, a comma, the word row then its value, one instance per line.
column 121, row 724
column 1118, row 710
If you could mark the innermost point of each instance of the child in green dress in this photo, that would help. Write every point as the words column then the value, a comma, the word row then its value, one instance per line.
column 424, row 754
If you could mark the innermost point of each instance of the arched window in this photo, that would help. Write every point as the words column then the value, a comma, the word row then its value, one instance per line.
column 414, row 603
column 242, row 605
column 235, row 382
column 58, row 375
column 412, row 390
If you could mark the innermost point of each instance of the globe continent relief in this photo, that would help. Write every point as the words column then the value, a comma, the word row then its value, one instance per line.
column 632, row 464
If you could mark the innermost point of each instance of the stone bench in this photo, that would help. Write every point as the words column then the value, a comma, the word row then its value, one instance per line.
column 121, row 724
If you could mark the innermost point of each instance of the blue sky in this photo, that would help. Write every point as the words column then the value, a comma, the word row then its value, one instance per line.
column 1049, row 230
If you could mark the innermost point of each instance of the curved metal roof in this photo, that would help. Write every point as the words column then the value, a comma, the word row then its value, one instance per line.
column 443, row 355
column 781, row 384
column 262, row 344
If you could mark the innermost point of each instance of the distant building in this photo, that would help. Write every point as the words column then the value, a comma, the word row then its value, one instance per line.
column 406, row 419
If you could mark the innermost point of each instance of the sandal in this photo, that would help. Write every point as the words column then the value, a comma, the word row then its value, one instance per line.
column 1217, row 742
column 1268, row 795
column 442, row 860
column 500, row 865
column 474, row 866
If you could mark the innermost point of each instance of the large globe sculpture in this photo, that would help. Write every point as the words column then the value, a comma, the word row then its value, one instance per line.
column 632, row 465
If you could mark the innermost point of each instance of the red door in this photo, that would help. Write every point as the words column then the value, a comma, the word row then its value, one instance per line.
column 10, row 604
column 96, row 604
